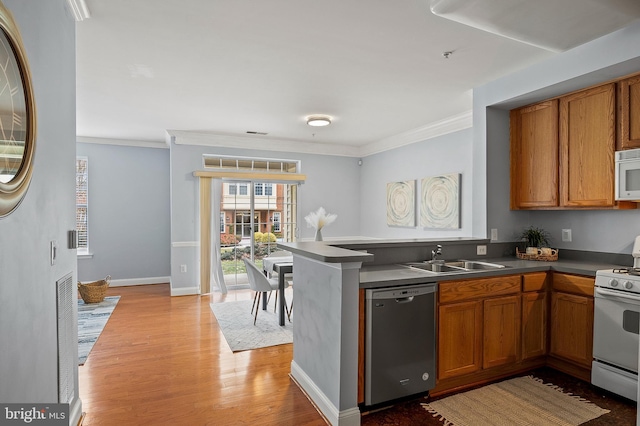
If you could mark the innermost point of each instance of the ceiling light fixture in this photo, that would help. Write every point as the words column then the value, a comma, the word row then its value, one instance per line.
column 318, row 120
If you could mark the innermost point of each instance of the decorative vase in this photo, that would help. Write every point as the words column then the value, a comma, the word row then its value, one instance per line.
column 319, row 234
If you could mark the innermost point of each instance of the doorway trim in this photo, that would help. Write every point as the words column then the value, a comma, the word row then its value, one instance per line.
column 204, row 178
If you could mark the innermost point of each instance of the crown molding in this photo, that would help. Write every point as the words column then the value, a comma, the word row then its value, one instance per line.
column 438, row 128
column 182, row 137
column 123, row 142
column 79, row 10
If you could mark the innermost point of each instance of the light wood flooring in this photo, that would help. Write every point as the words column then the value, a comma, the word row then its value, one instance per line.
column 162, row 360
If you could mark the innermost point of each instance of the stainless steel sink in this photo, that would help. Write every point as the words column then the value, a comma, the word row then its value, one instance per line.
column 474, row 265
column 454, row 266
column 435, row 267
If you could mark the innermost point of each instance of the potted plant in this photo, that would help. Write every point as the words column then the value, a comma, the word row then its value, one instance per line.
column 535, row 238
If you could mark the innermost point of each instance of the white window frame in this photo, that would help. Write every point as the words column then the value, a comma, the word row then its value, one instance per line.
column 277, row 221
column 82, row 176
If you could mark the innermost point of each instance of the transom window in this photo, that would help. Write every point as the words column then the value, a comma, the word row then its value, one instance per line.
column 221, row 162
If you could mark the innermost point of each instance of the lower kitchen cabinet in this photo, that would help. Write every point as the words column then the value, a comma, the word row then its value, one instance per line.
column 501, row 331
column 459, row 339
column 478, row 325
column 534, row 315
column 572, row 324
column 534, row 324
column 572, row 327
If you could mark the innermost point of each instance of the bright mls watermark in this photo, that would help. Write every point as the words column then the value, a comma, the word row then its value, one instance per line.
column 34, row 414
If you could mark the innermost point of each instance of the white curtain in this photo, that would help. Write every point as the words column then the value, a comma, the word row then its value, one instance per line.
column 217, row 276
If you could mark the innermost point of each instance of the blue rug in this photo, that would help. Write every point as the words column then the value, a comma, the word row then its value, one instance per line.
column 92, row 317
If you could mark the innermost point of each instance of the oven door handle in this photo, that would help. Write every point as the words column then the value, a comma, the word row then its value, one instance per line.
column 618, row 294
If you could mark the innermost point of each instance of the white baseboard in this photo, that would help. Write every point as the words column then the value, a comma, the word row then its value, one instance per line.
column 184, row 291
column 75, row 412
column 349, row 417
column 139, row 281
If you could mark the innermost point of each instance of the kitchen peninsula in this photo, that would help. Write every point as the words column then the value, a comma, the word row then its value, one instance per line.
column 328, row 278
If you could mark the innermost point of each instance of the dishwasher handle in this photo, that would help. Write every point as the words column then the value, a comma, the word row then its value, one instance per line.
column 401, row 293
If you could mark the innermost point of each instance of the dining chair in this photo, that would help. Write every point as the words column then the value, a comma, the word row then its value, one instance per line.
column 259, row 283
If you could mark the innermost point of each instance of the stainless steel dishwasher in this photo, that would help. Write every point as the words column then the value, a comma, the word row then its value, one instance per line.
column 400, row 341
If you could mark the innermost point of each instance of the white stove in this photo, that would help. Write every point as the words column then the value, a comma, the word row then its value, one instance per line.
column 616, row 328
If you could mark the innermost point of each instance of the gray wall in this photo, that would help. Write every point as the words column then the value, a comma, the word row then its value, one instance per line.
column 604, row 59
column 129, row 213
column 450, row 153
column 28, row 352
column 333, row 182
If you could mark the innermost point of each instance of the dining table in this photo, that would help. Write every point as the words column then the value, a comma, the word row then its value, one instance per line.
column 282, row 265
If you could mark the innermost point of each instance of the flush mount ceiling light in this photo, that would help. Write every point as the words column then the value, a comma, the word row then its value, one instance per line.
column 318, row 120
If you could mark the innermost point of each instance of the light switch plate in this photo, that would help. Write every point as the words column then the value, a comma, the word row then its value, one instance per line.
column 566, row 235
column 54, row 252
column 494, row 234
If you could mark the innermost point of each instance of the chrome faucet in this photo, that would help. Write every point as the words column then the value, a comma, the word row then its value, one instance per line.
column 435, row 253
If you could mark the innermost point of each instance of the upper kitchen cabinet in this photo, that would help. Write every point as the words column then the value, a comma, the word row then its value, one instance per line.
column 534, row 156
column 629, row 113
column 562, row 151
column 587, row 146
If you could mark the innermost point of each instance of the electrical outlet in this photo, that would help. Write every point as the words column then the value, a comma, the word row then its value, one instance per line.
column 494, row 234
column 566, row 235
column 183, row 268
column 481, row 250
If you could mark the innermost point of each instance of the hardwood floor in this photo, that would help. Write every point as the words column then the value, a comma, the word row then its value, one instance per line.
column 163, row 360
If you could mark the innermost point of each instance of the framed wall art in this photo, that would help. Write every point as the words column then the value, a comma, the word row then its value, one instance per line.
column 401, row 203
column 440, row 201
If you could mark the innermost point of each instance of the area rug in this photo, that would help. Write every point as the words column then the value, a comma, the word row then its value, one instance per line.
column 520, row 401
column 92, row 317
column 236, row 322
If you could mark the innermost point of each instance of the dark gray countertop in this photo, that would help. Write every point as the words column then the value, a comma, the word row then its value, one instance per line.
column 393, row 275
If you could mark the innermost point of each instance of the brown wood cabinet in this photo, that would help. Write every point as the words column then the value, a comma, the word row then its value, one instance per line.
column 534, row 315
column 534, row 156
column 629, row 113
column 478, row 324
column 459, row 339
column 501, row 332
column 587, row 146
column 572, row 324
column 562, row 150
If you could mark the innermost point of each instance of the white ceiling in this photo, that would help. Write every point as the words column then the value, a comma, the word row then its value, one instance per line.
column 231, row 66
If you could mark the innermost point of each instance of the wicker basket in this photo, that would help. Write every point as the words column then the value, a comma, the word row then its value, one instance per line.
column 541, row 257
column 94, row 292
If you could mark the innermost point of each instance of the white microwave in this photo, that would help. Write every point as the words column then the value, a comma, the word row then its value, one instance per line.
column 628, row 175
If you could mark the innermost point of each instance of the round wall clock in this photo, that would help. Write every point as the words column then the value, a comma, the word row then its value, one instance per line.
column 17, row 116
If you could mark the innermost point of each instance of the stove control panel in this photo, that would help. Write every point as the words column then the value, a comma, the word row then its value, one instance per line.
column 618, row 279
